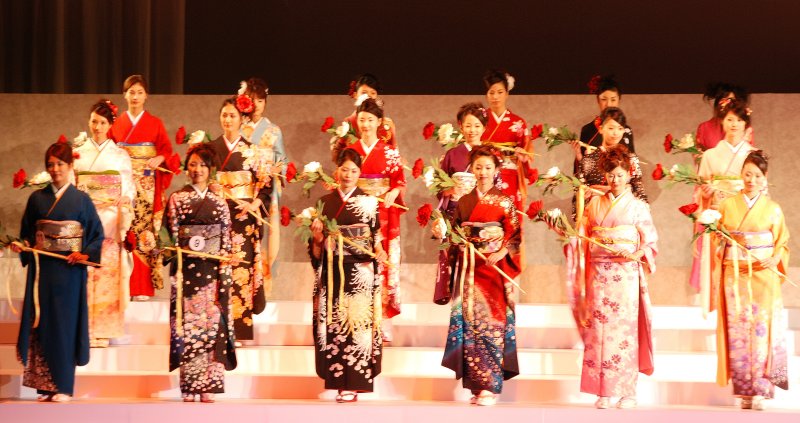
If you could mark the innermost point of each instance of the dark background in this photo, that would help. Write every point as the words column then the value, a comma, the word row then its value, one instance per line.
column 414, row 46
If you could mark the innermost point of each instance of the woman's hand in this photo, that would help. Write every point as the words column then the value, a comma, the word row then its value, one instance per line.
column 769, row 262
column 155, row 162
column 522, row 155
column 16, row 248
column 316, row 230
column 246, row 207
column 390, row 196
column 497, row 256
column 381, row 255
column 76, row 257
column 707, row 191
column 634, row 256
column 576, row 148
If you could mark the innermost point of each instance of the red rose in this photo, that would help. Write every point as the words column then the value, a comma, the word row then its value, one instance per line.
column 536, row 131
column 130, row 241
column 19, row 178
column 286, row 216
column 291, row 172
column 244, row 104
column 424, row 214
column 594, row 84
column 534, row 209
column 658, row 172
column 62, row 139
column 427, row 131
column 689, row 209
column 76, row 155
column 416, row 172
column 533, row 176
column 668, row 143
column 180, row 135
column 328, row 124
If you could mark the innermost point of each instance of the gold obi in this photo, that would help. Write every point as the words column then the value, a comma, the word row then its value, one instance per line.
column 376, row 187
column 619, row 238
column 725, row 188
column 104, row 188
column 761, row 245
column 486, row 237
column 464, row 184
column 59, row 235
column 509, row 160
column 239, row 183
column 360, row 234
column 140, row 153
column 200, row 238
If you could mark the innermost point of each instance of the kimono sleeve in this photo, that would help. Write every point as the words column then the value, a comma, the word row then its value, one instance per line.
column 27, row 231
column 648, row 237
column 164, row 149
column 397, row 178
column 780, row 234
column 511, row 228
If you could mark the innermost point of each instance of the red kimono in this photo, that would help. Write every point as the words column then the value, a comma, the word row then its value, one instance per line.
column 143, row 141
column 509, row 131
column 385, row 133
column 382, row 171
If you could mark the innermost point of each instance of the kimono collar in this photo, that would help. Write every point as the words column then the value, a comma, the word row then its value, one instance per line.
column 60, row 192
column 203, row 193
column 498, row 119
column 367, row 150
column 481, row 194
column 102, row 145
column 231, row 145
column 751, row 202
column 344, row 196
column 615, row 199
column 735, row 150
column 135, row 120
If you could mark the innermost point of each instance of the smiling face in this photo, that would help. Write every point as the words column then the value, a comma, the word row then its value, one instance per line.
column 230, row 119
column 198, row 170
column 484, row 169
column 608, row 98
column 136, row 96
column 612, row 132
column 98, row 127
column 59, row 171
column 497, row 95
column 261, row 105
column 472, row 128
column 368, row 124
column 348, row 175
column 754, row 179
column 618, row 180
column 733, row 126
column 365, row 89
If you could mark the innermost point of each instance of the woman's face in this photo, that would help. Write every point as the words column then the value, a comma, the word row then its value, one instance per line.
column 733, row 126
column 260, row 104
column 484, row 170
column 366, row 89
column 606, row 99
column 754, row 179
column 98, row 127
column 197, row 170
column 136, row 96
column 368, row 123
column 618, row 179
column 612, row 132
column 348, row 174
column 59, row 170
column 497, row 95
column 472, row 128
column 229, row 118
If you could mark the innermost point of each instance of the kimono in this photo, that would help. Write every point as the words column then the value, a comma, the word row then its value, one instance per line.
column 201, row 329
column 239, row 183
column 60, row 222
column 611, row 304
column 751, row 343
column 142, row 141
column 481, row 343
column 710, row 132
column 347, row 295
column 589, row 173
column 509, row 131
column 382, row 171
column 105, row 173
column 386, row 133
column 722, row 166
column 590, row 134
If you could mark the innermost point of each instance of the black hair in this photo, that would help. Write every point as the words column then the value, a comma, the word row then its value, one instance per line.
column 104, row 108
column 348, row 154
column 716, row 91
column 493, row 76
column 370, row 105
column 205, row 152
column 759, row 159
column 614, row 113
column 475, row 109
column 735, row 106
column 485, row 150
column 61, row 151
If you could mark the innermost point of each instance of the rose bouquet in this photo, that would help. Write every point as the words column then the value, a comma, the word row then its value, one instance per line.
column 685, row 144
column 447, row 135
column 344, row 133
column 38, row 181
column 313, row 173
column 436, row 179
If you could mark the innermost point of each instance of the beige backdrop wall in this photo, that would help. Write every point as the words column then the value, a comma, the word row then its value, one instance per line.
column 29, row 123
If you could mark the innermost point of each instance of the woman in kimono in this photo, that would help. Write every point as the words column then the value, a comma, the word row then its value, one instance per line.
column 751, row 344
column 201, row 327
column 144, row 138
column 103, row 170
column 612, row 305
column 54, row 329
column 721, row 166
column 612, row 129
column 347, row 286
column 510, row 134
column 606, row 88
column 382, row 176
column 710, row 132
column 472, row 119
column 481, row 340
column 246, row 196
column 363, row 87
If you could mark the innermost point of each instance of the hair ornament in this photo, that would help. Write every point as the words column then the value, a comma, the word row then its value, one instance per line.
column 361, row 99
column 510, row 81
column 242, row 88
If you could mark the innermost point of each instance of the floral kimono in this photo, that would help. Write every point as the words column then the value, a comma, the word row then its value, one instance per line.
column 509, row 131
column 589, row 173
column 105, row 173
column 201, row 323
column 611, row 304
column 481, row 340
column 382, row 171
column 347, row 295
column 751, row 344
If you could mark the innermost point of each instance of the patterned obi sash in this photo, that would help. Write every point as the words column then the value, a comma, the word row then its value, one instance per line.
column 200, row 238
column 620, row 238
column 239, row 183
column 140, row 153
column 761, row 245
column 487, row 237
column 360, row 234
column 725, row 187
column 104, row 188
column 508, row 153
column 373, row 184
column 464, row 184
column 59, row 235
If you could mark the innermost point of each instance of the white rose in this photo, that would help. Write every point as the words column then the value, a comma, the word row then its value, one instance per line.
column 40, row 178
column 342, row 130
column 552, row 172
column 554, row 213
column 686, row 142
column 361, row 99
column 79, row 140
column 312, row 167
column 445, row 132
column 197, row 137
column 708, row 217
column 308, row 213
column 427, row 177
column 242, row 87
column 441, row 227
column 553, row 131
column 675, row 168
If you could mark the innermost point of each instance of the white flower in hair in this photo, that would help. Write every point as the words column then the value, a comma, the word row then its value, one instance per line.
column 242, row 87
column 510, row 80
column 40, row 178
column 361, row 99
column 708, row 216
column 197, row 137
column 342, row 130
column 312, row 167
column 552, row 172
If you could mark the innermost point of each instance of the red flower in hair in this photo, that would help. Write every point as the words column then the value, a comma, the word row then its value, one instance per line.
column 689, row 209
column 76, row 155
column 130, row 241
column 244, row 104
column 291, row 172
column 668, row 143
column 113, row 107
column 352, row 89
column 416, row 172
column 424, row 214
column 534, row 209
column 594, row 84
column 533, row 176
column 536, row 131
column 658, row 172
column 62, row 139
column 19, row 178
column 328, row 124
column 180, row 135
column 598, row 123
column 427, row 131
column 286, row 216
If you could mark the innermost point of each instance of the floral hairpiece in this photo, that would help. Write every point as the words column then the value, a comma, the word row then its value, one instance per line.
column 510, row 81
column 594, row 84
column 361, row 99
column 483, row 111
column 748, row 111
column 244, row 104
column 352, row 89
column 242, row 88
column 725, row 102
column 112, row 106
